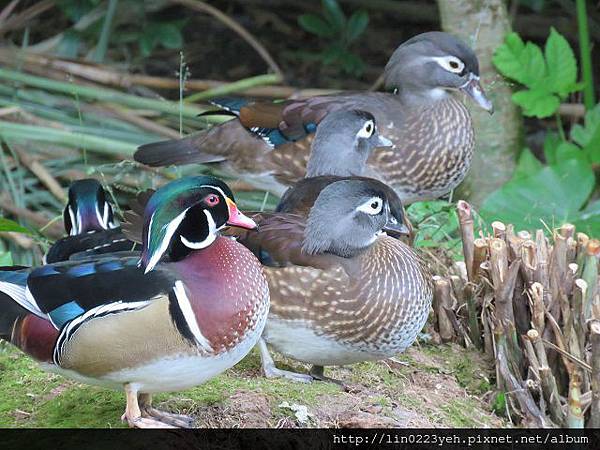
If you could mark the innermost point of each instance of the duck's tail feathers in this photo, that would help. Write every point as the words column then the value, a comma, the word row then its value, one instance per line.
column 174, row 152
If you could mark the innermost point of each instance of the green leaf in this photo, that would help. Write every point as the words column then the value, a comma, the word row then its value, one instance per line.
column 585, row 135
column 357, row 25
column 527, row 165
column 561, row 64
column 568, row 150
column 551, row 143
column 521, row 62
column 11, row 225
column 588, row 220
column 316, row 25
column 334, row 14
column 169, row 36
column 536, row 102
column 6, row 259
column 554, row 194
column 147, row 43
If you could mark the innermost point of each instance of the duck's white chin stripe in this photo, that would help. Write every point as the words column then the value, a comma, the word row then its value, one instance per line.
column 212, row 235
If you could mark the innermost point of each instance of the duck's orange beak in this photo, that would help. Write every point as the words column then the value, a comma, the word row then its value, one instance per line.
column 237, row 218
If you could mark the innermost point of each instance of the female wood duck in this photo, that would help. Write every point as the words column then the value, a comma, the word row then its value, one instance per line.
column 341, row 292
column 432, row 132
column 89, row 223
column 143, row 324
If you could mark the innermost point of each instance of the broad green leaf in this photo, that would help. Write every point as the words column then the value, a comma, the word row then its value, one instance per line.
column 536, row 102
column 334, row 14
column 11, row 225
column 147, row 42
column 507, row 58
column 169, row 36
column 583, row 135
column 551, row 143
column 560, row 63
column 568, row 150
column 316, row 25
column 6, row 259
column 554, row 194
column 356, row 25
column 527, row 165
column 521, row 62
column 588, row 136
column 588, row 220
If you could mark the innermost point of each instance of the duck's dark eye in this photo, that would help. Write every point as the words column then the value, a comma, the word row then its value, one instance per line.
column 375, row 205
column 369, row 128
column 454, row 64
column 212, row 200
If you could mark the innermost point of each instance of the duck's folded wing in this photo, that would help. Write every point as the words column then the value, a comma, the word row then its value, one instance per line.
column 278, row 242
column 63, row 292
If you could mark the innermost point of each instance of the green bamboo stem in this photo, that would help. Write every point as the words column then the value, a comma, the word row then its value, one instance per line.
column 100, row 51
column 22, row 132
column 236, row 86
column 586, row 55
column 105, row 95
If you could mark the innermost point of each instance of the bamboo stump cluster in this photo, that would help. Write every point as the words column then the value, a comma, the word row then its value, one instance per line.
column 532, row 303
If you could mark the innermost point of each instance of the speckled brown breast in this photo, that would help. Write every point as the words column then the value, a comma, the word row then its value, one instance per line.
column 379, row 307
column 433, row 148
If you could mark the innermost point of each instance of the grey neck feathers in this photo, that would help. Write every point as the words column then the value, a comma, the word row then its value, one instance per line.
column 343, row 236
column 337, row 155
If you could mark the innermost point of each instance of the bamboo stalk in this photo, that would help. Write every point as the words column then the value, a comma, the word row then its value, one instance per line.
column 575, row 411
column 41, row 172
column 236, row 86
column 442, row 298
column 105, row 95
column 22, row 132
column 499, row 230
column 547, row 379
column 533, row 415
column 595, row 404
column 465, row 220
column 480, row 250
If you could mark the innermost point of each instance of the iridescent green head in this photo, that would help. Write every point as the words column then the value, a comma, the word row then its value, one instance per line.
column 186, row 215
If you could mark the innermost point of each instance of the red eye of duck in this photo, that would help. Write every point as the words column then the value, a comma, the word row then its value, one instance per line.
column 212, row 200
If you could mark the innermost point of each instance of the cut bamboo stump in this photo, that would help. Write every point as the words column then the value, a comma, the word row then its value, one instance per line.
column 532, row 303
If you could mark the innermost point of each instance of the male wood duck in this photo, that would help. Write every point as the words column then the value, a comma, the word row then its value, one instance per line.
column 89, row 223
column 341, row 291
column 431, row 130
column 143, row 324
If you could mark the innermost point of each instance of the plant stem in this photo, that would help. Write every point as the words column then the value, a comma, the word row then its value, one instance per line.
column 102, row 46
column 586, row 55
column 106, row 95
column 22, row 132
column 239, row 85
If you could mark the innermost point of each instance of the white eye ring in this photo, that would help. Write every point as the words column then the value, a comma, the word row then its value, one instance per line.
column 372, row 206
column 450, row 63
column 367, row 130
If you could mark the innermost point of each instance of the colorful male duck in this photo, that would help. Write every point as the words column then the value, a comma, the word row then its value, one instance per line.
column 431, row 130
column 341, row 291
column 143, row 324
column 89, row 223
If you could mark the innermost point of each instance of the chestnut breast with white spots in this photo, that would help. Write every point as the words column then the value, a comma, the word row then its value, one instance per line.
column 227, row 290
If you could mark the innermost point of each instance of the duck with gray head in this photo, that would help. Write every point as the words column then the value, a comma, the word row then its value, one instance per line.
column 431, row 130
column 341, row 290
